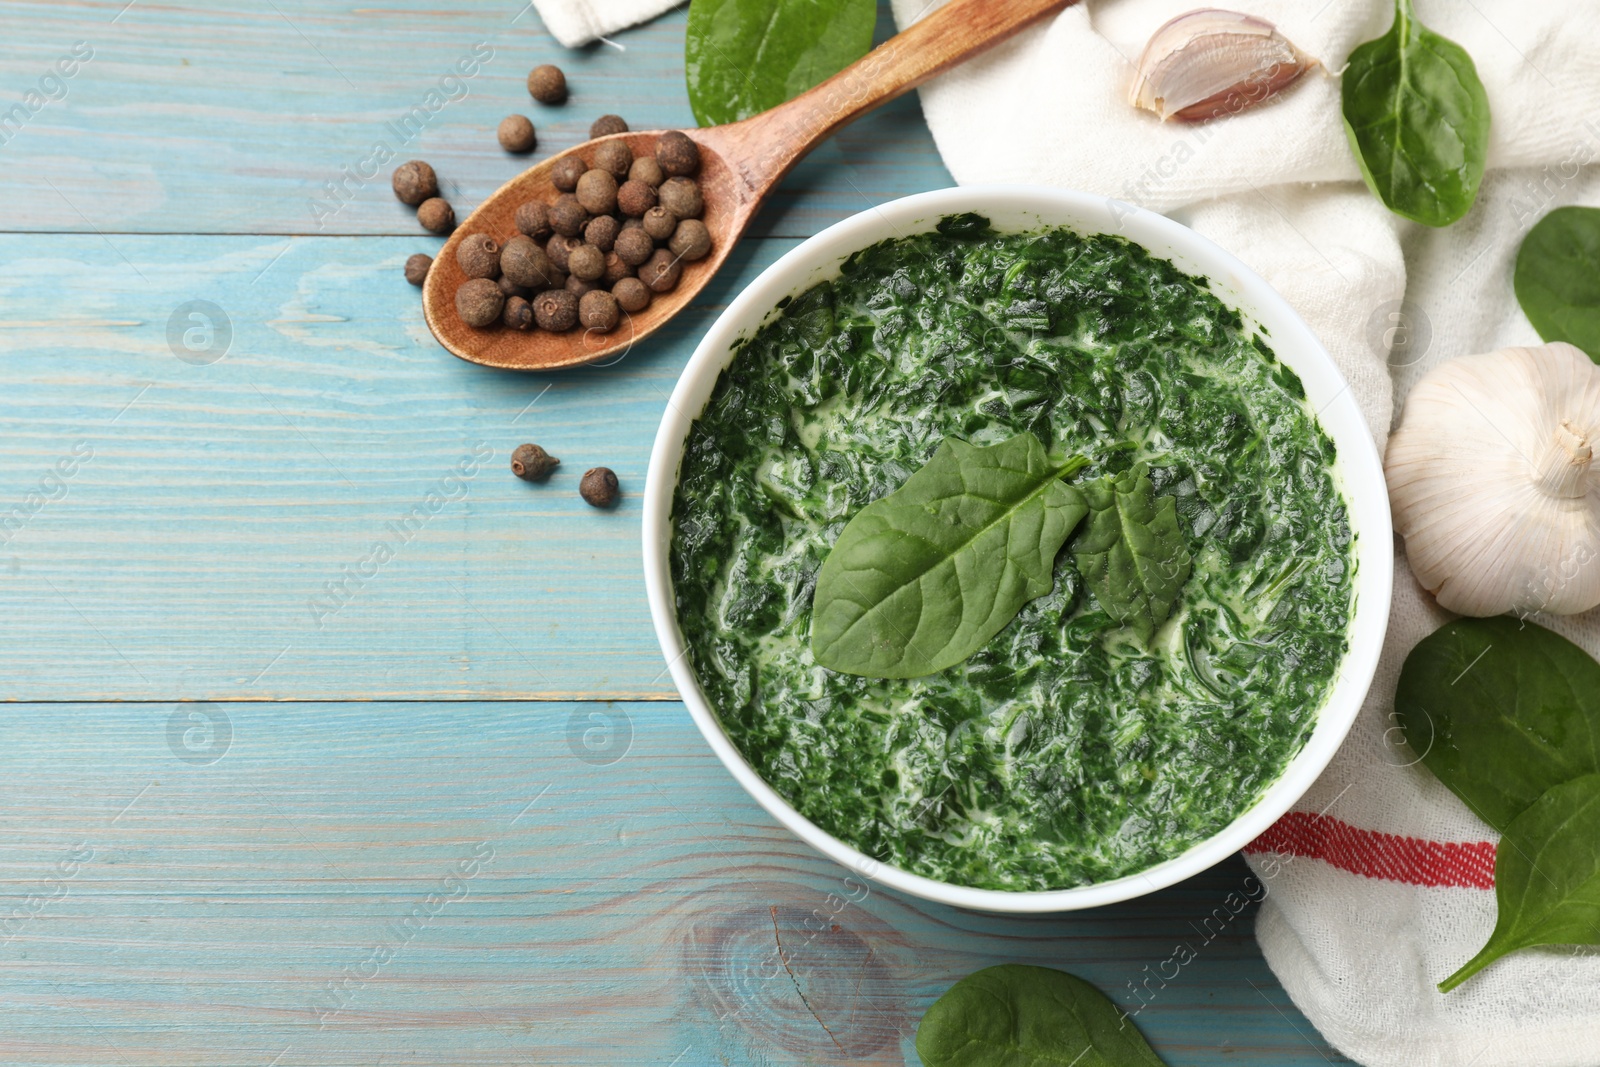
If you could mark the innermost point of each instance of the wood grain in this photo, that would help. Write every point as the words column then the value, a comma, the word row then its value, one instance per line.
column 270, row 894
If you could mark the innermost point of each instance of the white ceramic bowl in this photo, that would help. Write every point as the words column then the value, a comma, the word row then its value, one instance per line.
column 1012, row 208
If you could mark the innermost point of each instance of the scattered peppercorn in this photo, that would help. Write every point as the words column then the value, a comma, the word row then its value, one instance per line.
column 532, row 463
column 516, row 134
column 479, row 256
column 634, row 246
column 660, row 224
column 556, row 310
column 533, row 219
column 631, row 294
column 518, row 313
column 615, row 157
column 677, row 154
column 524, row 263
column 616, row 269
column 635, row 197
column 602, row 232
column 479, row 302
column 547, row 84
column 417, row 268
column 566, row 171
column 597, row 192
column 559, row 247
column 415, row 182
column 436, row 215
column 681, row 196
column 578, row 287
column 690, row 241
column 599, row 487
column 661, row 271
column 646, row 169
column 598, row 310
column 606, row 125
column 586, row 262
column 567, row 216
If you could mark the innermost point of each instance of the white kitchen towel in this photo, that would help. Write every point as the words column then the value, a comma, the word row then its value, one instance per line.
column 577, row 22
column 1377, row 885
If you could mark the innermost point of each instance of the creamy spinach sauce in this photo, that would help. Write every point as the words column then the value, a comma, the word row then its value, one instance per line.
column 1065, row 752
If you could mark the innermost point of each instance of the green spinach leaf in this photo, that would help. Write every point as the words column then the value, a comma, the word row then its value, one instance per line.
column 922, row 578
column 1019, row 1016
column 742, row 57
column 1500, row 710
column 1131, row 552
column 1546, row 877
column 1418, row 120
column 1558, row 277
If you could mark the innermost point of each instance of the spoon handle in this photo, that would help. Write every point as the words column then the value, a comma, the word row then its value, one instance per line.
column 767, row 145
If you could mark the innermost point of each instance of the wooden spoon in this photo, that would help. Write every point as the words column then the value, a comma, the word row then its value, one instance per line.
column 740, row 163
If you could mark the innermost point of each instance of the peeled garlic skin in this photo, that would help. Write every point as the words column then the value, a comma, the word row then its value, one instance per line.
column 1492, row 484
column 1209, row 63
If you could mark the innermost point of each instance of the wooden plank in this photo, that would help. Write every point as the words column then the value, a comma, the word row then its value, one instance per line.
column 191, row 118
column 478, row 884
column 221, row 531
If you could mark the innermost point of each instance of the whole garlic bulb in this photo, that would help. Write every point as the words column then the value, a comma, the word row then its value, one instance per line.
column 1491, row 481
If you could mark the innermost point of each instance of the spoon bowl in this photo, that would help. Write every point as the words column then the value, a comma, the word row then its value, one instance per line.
column 740, row 163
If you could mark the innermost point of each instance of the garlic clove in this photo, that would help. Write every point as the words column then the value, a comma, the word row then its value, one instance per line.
column 1209, row 63
column 1492, row 481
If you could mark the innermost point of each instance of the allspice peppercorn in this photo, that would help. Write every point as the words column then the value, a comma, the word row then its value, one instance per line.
column 559, row 248
column 436, row 215
column 526, row 264
column 566, row 171
column 660, row 223
column 586, row 262
column 417, row 268
column 578, row 287
column 602, row 232
column 478, row 256
column 599, row 487
column 479, row 302
column 614, row 157
column 606, row 125
column 598, row 310
column 677, row 154
column 532, row 463
column 646, row 169
column 518, row 314
column 567, row 216
column 547, row 84
column 631, row 294
column 681, row 196
column 616, row 269
column 635, row 197
column 634, row 246
column 414, row 182
column 661, row 271
column 597, row 192
column 556, row 310
column 511, row 288
column 533, row 219
column 690, row 241
column 516, row 134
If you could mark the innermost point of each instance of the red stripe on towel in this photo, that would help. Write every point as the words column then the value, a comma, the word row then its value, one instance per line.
column 1377, row 855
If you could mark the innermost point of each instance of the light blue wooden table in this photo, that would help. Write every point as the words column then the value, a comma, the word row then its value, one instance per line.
column 264, row 803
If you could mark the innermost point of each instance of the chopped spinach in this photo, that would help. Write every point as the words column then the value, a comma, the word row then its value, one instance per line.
column 1064, row 750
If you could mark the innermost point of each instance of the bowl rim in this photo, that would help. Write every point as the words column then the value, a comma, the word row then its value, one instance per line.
column 1357, row 466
